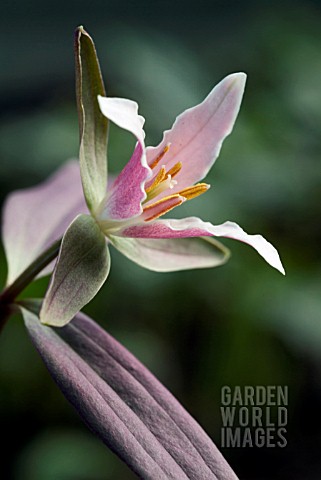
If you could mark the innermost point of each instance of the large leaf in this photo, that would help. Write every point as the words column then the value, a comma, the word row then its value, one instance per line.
column 82, row 268
column 34, row 218
column 93, row 125
column 124, row 404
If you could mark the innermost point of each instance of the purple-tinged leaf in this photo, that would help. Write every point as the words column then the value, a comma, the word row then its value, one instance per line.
column 124, row 404
column 82, row 267
column 34, row 218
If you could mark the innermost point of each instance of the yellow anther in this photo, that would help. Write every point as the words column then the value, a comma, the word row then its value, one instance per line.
column 158, row 179
column 175, row 169
column 163, row 205
column 160, row 156
column 194, row 191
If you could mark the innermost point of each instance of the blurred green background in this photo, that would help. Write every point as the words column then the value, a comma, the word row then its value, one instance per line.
column 241, row 324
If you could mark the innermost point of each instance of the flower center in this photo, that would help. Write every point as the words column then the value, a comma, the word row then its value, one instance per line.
column 164, row 180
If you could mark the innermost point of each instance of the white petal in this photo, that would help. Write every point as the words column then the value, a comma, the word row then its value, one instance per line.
column 124, row 113
column 195, row 227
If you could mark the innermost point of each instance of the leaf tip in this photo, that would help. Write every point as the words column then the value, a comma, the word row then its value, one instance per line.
column 43, row 317
column 47, row 319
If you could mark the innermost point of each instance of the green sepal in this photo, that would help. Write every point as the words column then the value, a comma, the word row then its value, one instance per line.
column 93, row 126
column 82, row 268
column 172, row 254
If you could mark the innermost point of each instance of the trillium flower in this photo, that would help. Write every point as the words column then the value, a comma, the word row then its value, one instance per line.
column 156, row 180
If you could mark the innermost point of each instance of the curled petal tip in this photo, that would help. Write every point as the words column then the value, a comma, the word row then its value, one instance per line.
column 274, row 260
column 124, row 113
column 281, row 268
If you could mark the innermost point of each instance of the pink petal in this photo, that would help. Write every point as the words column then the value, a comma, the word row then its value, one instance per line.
column 197, row 134
column 127, row 193
column 194, row 227
column 36, row 217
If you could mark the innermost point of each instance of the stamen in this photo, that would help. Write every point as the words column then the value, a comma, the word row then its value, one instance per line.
column 160, row 156
column 158, row 179
column 162, row 206
column 194, row 191
column 175, row 169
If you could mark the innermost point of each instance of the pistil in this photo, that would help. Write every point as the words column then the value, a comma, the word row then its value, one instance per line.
column 159, row 187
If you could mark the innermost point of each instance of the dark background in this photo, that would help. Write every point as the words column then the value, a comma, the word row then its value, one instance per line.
column 241, row 324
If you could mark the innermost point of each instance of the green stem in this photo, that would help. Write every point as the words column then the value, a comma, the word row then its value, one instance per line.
column 12, row 291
